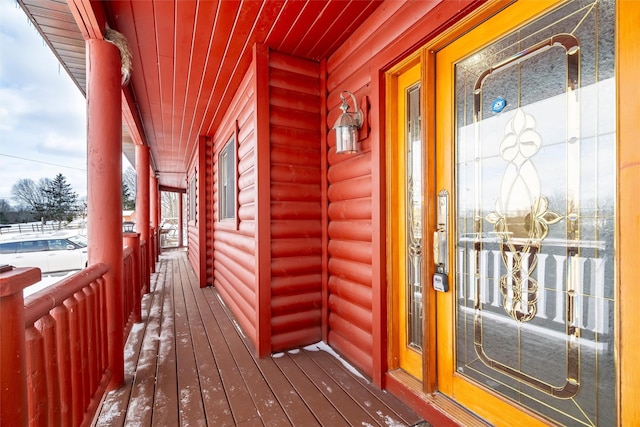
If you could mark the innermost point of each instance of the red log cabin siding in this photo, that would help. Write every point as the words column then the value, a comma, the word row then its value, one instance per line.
column 193, row 240
column 294, row 305
column 235, row 247
column 199, row 226
column 296, row 214
column 356, row 183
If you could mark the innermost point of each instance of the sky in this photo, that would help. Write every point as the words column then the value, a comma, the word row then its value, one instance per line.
column 42, row 112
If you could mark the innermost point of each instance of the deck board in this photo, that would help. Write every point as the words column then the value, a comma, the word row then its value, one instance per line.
column 188, row 364
column 212, row 395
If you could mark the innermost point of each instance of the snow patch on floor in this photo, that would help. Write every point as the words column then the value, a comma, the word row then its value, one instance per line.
column 389, row 421
column 322, row 346
column 239, row 329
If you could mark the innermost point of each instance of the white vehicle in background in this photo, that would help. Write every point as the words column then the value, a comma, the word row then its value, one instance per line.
column 51, row 253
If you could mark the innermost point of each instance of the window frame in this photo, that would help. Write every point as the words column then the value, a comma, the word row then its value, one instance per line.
column 227, row 174
column 192, row 198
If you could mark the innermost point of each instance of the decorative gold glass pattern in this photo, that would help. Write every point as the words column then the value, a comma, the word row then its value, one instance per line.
column 414, row 191
column 535, row 187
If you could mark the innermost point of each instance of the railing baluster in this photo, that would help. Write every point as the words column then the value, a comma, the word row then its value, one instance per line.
column 84, row 357
column 47, row 327
column 76, row 360
column 92, row 360
column 61, row 316
column 36, row 377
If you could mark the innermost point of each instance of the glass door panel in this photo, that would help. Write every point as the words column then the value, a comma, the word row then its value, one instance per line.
column 406, row 208
column 535, row 183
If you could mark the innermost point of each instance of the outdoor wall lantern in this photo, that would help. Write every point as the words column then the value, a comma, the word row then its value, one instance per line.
column 347, row 126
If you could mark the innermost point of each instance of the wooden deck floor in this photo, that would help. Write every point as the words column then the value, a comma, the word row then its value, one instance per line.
column 189, row 364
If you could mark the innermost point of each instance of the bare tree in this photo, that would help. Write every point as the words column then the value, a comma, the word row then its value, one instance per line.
column 129, row 189
column 129, row 181
column 29, row 194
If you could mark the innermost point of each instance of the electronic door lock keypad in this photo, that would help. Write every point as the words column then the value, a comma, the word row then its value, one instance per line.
column 440, row 282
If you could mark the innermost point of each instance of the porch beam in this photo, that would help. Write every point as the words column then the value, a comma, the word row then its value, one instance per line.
column 90, row 17
column 104, row 186
column 131, row 117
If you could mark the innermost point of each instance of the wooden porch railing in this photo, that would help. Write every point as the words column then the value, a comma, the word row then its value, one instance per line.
column 56, row 371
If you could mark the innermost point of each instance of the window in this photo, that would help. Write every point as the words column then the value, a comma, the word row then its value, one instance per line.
column 8, row 248
column 227, row 181
column 58, row 245
column 192, row 198
column 32, row 246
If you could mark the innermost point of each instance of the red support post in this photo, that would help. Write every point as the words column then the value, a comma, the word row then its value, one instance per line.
column 13, row 362
column 180, row 219
column 142, row 198
column 154, row 195
column 104, row 186
column 133, row 240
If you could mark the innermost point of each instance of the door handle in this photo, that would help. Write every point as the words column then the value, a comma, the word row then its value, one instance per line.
column 441, row 235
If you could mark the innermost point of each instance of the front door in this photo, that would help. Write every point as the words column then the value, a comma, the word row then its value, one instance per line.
column 526, row 151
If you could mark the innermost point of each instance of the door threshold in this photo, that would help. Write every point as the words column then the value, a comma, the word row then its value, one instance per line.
column 436, row 408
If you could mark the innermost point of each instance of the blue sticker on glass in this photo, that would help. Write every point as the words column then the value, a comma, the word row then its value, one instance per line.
column 498, row 105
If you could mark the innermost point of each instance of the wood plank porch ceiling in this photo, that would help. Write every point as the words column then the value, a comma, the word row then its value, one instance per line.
column 189, row 56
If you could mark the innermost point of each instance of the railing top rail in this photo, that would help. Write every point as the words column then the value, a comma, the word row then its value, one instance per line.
column 127, row 251
column 40, row 303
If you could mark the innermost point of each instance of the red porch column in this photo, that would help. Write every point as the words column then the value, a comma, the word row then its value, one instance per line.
column 154, row 191
column 104, row 186
column 142, row 199
column 180, row 207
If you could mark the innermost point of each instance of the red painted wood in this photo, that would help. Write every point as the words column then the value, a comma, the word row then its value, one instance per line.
column 77, row 370
column 351, row 291
column 143, row 197
column 104, row 161
column 75, row 357
column 47, row 328
column 347, row 341
column 352, row 209
column 154, row 217
column 287, row 285
column 297, row 304
column 354, row 188
column 13, row 369
column 63, row 353
column 92, row 18
column 92, row 356
column 132, row 240
column 201, row 214
column 293, row 247
column 356, row 251
column 238, row 259
column 264, row 212
column 360, row 317
column 83, row 362
column 36, row 378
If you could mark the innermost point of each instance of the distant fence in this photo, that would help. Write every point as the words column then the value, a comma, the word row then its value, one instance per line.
column 39, row 227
